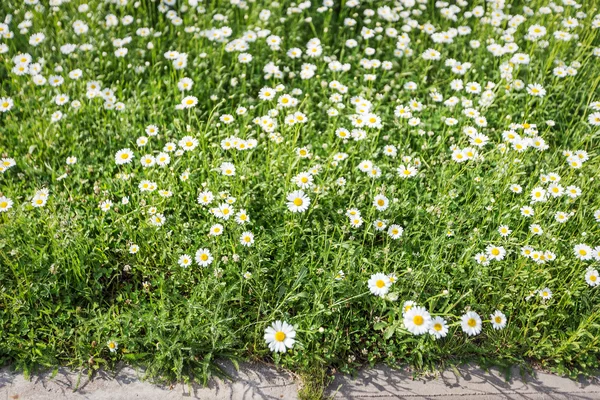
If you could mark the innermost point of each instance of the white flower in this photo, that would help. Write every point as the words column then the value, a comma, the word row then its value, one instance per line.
column 583, row 252
column 381, row 202
column 105, row 205
column 406, row 171
column 438, row 327
column 395, row 231
column 203, row 257
column 247, row 239
column 147, row 161
column 157, row 219
column 471, row 323
column 6, row 103
column 297, row 201
column 112, row 346
column 504, row 230
column 591, row 277
column 417, row 320
column 498, row 320
column 5, row 203
column 227, row 169
column 124, row 156
column 545, row 294
column 280, row 336
column 184, row 261
column 379, row 284
column 495, row 252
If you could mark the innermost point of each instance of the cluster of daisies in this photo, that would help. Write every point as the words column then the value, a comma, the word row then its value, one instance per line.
column 418, row 321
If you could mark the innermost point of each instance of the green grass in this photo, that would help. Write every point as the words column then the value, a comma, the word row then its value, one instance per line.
column 69, row 283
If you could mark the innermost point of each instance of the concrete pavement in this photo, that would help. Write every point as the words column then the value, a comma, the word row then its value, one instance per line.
column 466, row 383
column 252, row 381
column 258, row 381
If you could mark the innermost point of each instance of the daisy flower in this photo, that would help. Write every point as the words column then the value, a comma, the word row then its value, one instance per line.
column 124, row 156
column 407, row 171
column 147, row 161
column 105, row 205
column 471, row 323
column 203, row 257
column 205, row 198
column 6, row 104
column 297, row 201
column 189, row 102
column 504, row 230
column 157, row 219
column 5, row 204
column 495, row 252
column 417, row 320
column 379, row 284
column 184, row 261
column 591, row 277
column 247, row 239
column 242, row 217
column 280, row 336
column 545, row 294
column 381, row 202
column 395, row 231
column 438, row 327
column 112, row 346
column 583, row 252
column 227, row 169
column 216, row 230
column 498, row 320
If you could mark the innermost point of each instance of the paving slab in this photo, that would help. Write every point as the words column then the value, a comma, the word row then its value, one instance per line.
column 465, row 383
column 260, row 381
column 252, row 381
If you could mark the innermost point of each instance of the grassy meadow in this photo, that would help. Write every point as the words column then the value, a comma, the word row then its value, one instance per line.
column 322, row 185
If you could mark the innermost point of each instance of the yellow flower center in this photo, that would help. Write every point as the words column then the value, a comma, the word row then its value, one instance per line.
column 498, row 319
column 380, row 283
column 279, row 336
column 593, row 278
column 4, row 204
column 298, row 201
column 418, row 320
column 472, row 323
column 437, row 327
column 495, row 252
column 204, row 257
